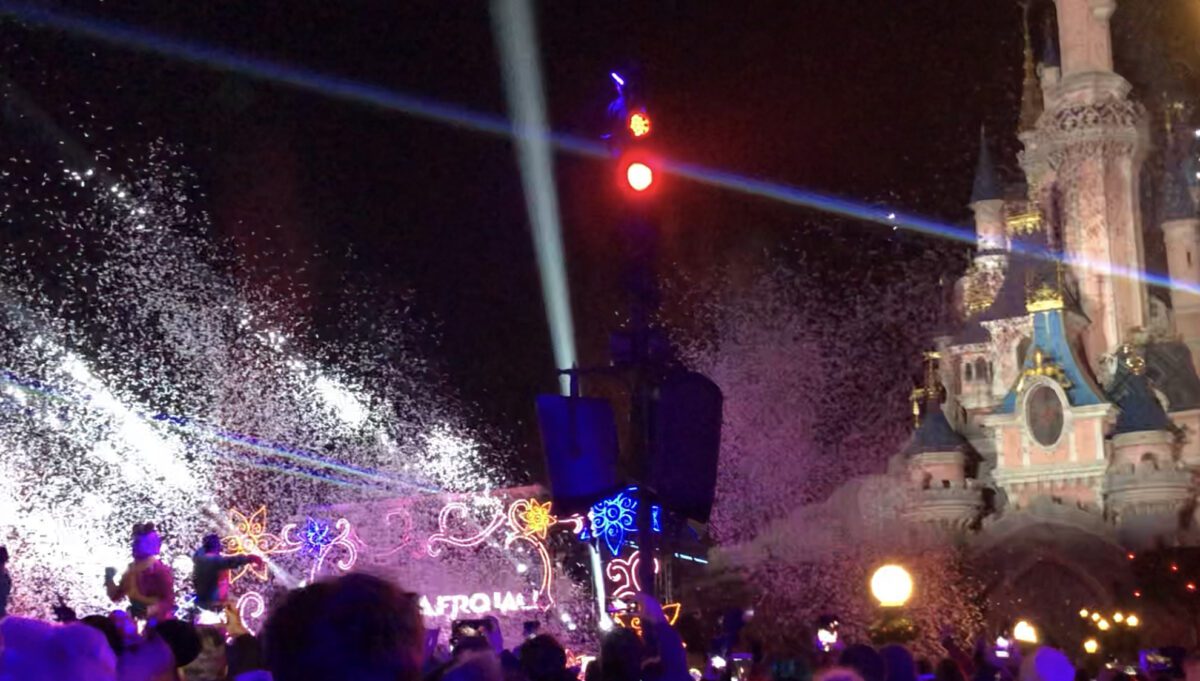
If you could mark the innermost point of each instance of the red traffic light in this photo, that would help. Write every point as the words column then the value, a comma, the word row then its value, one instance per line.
column 639, row 176
column 638, row 124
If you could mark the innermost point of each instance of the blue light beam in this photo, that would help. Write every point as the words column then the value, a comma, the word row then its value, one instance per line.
column 339, row 88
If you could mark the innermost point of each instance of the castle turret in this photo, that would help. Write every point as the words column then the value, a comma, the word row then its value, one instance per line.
column 987, row 201
column 941, row 494
column 1146, row 486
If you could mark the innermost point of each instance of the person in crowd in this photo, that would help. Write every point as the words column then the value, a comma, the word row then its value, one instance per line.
column 621, row 656
column 1046, row 664
column 40, row 651
column 106, row 626
column 211, row 663
column 149, row 658
column 864, row 660
column 210, row 573
column 147, row 582
column 181, row 638
column 5, row 582
column 543, row 659
column 354, row 628
column 899, row 663
column 475, row 664
column 657, row 654
column 838, row 674
column 948, row 670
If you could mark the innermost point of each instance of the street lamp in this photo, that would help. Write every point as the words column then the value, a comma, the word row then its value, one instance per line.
column 1090, row 646
column 1024, row 632
column 892, row 586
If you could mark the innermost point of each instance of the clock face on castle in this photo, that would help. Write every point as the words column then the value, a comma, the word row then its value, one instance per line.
column 1044, row 415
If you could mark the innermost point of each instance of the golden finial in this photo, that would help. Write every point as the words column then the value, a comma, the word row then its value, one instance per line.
column 1133, row 361
column 931, row 392
column 1044, row 366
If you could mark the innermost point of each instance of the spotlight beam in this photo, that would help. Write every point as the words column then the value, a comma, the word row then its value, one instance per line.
column 512, row 24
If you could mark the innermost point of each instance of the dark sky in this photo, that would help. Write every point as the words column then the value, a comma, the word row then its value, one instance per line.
column 874, row 99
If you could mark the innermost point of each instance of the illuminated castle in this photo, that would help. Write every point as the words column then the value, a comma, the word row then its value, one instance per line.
column 1068, row 380
column 1058, row 426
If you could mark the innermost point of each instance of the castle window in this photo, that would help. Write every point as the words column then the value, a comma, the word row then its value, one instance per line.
column 968, row 372
column 981, row 369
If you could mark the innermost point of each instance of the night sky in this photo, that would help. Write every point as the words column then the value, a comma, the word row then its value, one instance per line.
column 877, row 100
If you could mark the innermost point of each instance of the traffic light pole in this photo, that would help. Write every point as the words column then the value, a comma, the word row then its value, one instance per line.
column 642, row 237
column 631, row 127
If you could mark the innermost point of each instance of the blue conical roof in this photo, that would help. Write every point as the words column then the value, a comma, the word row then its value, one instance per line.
column 1177, row 202
column 1140, row 408
column 935, row 434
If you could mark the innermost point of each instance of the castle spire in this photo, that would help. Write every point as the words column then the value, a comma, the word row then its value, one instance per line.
column 1031, row 89
column 987, row 185
column 1050, row 55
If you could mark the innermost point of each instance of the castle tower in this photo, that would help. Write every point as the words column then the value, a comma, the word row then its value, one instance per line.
column 1181, row 232
column 941, row 496
column 1146, row 486
column 1083, row 161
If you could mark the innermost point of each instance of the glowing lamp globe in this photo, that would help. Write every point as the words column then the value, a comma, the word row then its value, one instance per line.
column 1103, row 625
column 892, row 586
column 1132, row 621
column 1084, row 613
column 1024, row 632
column 1090, row 646
column 639, row 176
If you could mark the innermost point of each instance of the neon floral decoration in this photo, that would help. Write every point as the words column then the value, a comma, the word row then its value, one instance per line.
column 611, row 519
column 251, row 538
column 525, row 520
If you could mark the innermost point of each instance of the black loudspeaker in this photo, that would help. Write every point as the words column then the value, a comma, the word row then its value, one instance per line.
column 579, row 437
column 687, row 439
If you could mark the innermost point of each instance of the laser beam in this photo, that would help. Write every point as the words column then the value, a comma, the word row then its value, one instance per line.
column 436, row 111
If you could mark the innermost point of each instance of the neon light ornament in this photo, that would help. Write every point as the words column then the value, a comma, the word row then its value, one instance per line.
column 252, row 539
column 613, row 518
column 527, row 520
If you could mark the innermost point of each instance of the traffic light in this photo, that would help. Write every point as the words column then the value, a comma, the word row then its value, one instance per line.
column 639, row 176
column 632, row 126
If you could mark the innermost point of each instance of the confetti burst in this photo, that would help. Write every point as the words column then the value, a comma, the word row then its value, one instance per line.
column 147, row 374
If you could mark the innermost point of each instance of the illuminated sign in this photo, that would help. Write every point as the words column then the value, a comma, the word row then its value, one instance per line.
column 455, row 606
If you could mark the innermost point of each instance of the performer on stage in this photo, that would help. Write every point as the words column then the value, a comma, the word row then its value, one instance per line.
column 210, row 573
column 147, row 582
